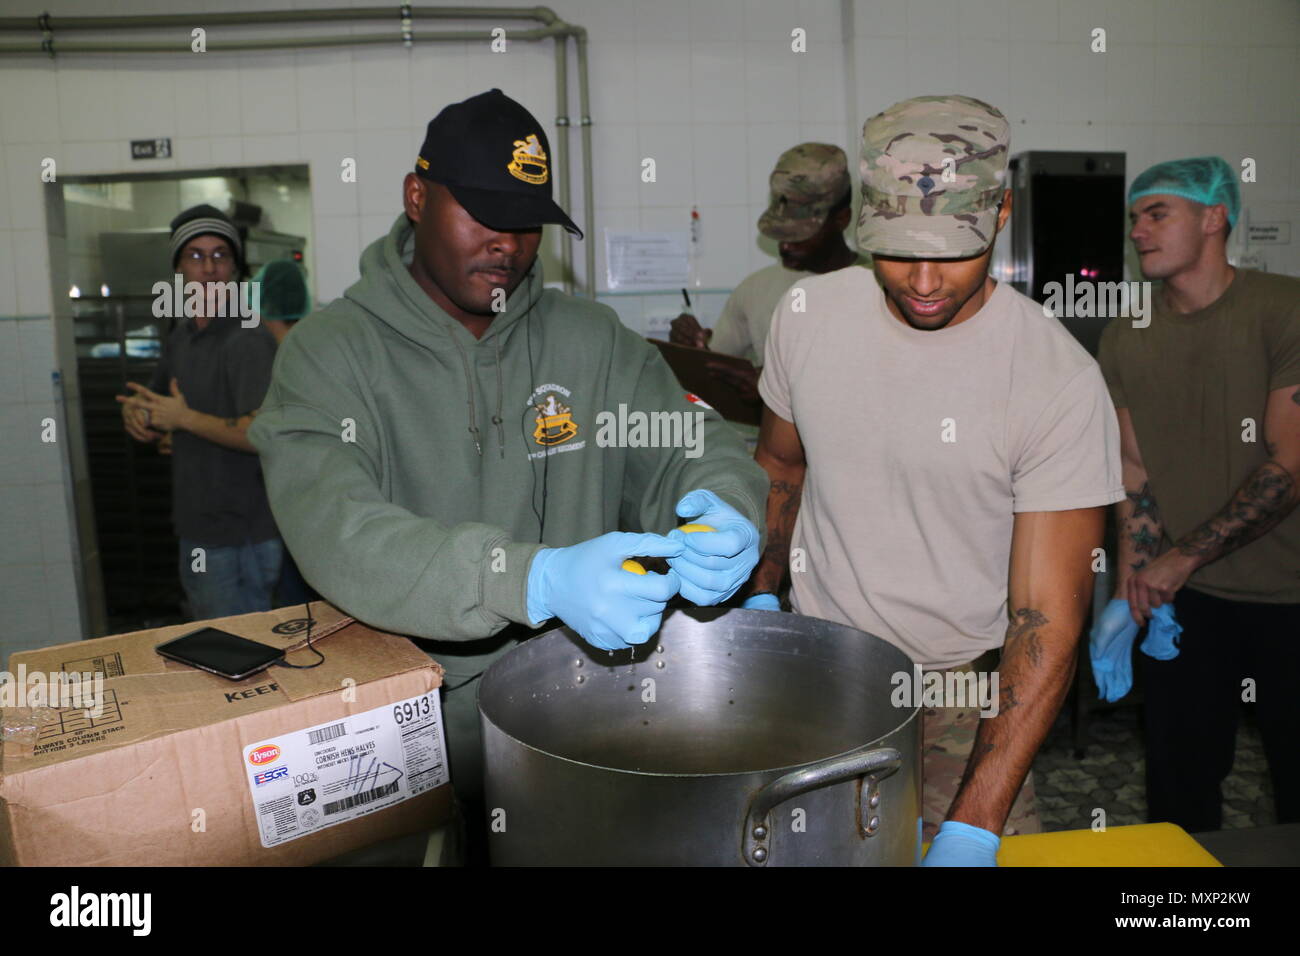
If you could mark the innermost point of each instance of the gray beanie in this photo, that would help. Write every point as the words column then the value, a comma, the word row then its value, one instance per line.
column 204, row 220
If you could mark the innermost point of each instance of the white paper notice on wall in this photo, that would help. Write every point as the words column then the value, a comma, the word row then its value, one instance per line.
column 642, row 261
column 1272, row 233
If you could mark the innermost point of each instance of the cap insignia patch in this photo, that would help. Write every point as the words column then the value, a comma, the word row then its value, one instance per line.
column 529, row 163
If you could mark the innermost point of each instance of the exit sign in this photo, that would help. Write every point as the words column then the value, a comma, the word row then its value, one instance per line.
column 151, row 148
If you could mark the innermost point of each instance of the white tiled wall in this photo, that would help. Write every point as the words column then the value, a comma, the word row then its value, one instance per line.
column 35, row 552
column 1178, row 78
column 712, row 92
column 709, row 88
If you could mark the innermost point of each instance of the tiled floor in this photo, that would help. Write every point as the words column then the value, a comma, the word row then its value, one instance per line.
column 1111, row 775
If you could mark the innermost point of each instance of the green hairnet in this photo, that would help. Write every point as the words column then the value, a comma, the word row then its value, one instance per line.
column 1208, row 180
column 284, row 293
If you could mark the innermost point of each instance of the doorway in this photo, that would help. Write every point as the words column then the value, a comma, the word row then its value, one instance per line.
column 117, row 247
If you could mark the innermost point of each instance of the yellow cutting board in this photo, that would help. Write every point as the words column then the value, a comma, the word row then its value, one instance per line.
column 1148, row 844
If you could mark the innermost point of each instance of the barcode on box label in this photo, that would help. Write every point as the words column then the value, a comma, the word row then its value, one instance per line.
column 348, row 803
column 346, row 767
column 332, row 732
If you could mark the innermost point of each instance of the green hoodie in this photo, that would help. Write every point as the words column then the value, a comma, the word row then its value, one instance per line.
column 407, row 465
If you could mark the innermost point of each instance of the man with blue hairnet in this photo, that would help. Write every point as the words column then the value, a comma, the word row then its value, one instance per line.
column 1208, row 397
column 285, row 298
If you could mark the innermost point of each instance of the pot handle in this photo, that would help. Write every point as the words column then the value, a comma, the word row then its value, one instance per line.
column 875, row 765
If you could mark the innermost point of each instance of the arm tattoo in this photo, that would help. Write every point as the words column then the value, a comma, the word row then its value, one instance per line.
column 1007, row 698
column 1262, row 501
column 1144, row 542
column 1144, row 503
column 1143, row 527
column 1024, row 628
column 781, row 530
column 1022, row 636
column 1295, row 396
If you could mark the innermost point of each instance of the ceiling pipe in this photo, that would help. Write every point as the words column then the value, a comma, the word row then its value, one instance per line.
column 62, row 47
column 46, row 23
column 562, row 129
column 553, row 27
column 588, row 203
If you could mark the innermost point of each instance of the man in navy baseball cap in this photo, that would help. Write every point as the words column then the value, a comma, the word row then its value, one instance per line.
column 494, row 158
column 475, row 494
column 476, row 201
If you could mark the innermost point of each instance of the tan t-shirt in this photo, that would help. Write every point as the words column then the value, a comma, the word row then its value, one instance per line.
column 742, row 328
column 1190, row 382
column 921, row 448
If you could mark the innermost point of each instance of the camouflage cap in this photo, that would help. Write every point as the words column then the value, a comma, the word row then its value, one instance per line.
column 934, row 169
column 808, row 180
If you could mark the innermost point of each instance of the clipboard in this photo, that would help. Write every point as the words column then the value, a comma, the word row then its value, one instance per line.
column 690, row 365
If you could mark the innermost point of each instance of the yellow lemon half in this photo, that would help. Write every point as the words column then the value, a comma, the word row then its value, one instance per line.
column 631, row 564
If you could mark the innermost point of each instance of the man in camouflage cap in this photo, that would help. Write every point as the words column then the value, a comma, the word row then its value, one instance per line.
column 933, row 178
column 947, row 451
column 808, row 182
column 809, row 209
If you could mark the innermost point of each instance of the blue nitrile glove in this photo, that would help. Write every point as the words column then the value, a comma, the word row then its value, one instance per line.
column 960, row 844
column 1110, row 647
column 713, row 564
column 1162, row 634
column 585, row 586
column 766, row 601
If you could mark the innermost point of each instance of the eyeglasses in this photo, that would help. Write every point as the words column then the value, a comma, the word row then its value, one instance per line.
column 218, row 256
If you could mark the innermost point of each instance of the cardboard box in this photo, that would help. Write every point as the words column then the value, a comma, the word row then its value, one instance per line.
column 186, row 768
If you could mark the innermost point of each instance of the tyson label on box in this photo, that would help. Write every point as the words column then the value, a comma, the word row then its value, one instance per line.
column 322, row 776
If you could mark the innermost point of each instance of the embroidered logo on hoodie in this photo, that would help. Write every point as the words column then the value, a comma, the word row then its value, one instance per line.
column 555, row 424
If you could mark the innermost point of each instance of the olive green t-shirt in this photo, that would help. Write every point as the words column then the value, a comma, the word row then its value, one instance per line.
column 1194, row 384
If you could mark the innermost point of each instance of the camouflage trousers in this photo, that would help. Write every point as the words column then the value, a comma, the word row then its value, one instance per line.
column 948, row 735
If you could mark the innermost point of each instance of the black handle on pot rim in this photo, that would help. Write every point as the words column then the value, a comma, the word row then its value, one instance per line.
column 874, row 764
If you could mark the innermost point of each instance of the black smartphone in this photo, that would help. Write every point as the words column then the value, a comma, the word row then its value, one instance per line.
column 220, row 652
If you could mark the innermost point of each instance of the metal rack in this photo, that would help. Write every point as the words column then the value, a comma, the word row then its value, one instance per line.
column 119, row 340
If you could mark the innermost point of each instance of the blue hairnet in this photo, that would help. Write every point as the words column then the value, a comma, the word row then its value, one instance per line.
column 284, row 293
column 1208, row 180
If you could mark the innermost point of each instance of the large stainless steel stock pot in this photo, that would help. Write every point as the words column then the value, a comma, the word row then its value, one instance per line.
column 734, row 737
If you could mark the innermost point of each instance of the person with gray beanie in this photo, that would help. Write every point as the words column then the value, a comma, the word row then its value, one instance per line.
column 204, row 393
